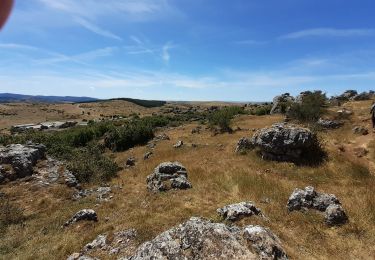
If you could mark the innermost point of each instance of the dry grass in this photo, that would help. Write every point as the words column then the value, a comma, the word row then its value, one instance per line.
column 219, row 177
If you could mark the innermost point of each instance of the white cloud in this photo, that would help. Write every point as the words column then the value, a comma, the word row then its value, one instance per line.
column 328, row 32
column 165, row 52
column 95, row 29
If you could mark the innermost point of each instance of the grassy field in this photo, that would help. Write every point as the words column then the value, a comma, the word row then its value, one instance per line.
column 219, row 176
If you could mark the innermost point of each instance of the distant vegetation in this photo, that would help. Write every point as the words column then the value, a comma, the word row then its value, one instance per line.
column 143, row 103
column 222, row 118
column 309, row 108
column 83, row 148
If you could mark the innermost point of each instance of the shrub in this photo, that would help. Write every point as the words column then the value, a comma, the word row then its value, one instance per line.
column 309, row 108
column 89, row 164
column 222, row 118
column 261, row 110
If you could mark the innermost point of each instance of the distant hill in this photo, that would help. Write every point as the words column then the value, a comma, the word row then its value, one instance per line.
column 9, row 98
column 142, row 102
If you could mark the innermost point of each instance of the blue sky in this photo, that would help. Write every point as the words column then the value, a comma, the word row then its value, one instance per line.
column 238, row 50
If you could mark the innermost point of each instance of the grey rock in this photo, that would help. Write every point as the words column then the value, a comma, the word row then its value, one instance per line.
column 281, row 103
column 168, row 175
column 243, row 145
column 22, row 158
column 310, row 199
column 265, row 243
column 198, row 238
column 335, row 215
column 237, row 211
column 84, row 214
column 283, row 142
column 161, row 137
column 360, row 130
column 147, row 155
column 70, row 179
column 179, row 144
column 130, row 162
column 329, row 124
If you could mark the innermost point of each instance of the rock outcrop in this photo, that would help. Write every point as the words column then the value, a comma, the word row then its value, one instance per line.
column 281, row 103
column 283, row 142
column 21, row 159
column 168, row 175
column 329, row 124
column 198, row 238
column 179, row 144
column 240, row 210
column 310, row 199
column 243, row 145
column 84, row 214
column 130, row 162
column 121, row 243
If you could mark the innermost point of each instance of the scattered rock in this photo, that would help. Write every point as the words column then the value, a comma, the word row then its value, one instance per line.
column 360, row 130
column 335, row 215
column 310, row 199
column 70, row 180
column 179, row 144
column 84, row 214
column 102, row 194
column 344, row 113
column 130, row 162
column 198, row 238
column 265, row 243
column 22, row 158
column 161, row 137
column 147, row 155
column 237, row 211
column 168, row 175
column 330, row 124
column 243, row 145
column 280, row 103
column 283, row 142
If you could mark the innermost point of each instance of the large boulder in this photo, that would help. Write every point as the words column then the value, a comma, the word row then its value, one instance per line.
column 237, row 211
column 283, row 142
column 198, row 238
column 280, row 103
column 168, row 175
column 22, row 158
column 311, row 199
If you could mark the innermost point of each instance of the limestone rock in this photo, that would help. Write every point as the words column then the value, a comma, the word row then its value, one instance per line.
column 22, row 158
column 198, row 238
column 237, row 211
column 179, row 144
column 335, row 215
column 283, row 142
column 244, row 144
column 360, row 130
column 84, row 214
column 168, row 175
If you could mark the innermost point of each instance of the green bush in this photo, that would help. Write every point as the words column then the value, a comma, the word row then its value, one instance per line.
column 123, row 138
column 222, row 118
column 310, row 108
column 89, row 164
column 261, row 110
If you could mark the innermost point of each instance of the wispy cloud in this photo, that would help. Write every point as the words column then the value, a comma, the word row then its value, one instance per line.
column 165, row 52
column 328, row 32
column 96, row 29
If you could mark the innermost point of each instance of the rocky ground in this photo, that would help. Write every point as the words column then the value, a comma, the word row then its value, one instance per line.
column 202, row 196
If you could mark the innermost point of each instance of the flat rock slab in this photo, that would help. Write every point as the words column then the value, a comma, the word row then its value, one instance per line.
column 84, row 214
column 198, row 238
column 237, row 211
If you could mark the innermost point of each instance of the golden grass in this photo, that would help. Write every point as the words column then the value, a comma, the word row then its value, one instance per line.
column 219, row 176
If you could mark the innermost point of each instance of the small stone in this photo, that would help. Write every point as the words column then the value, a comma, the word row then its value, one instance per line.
column 335, row 215
column 84, row 214
column 179, row 144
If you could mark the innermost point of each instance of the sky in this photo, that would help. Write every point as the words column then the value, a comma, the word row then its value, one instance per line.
column 238, row 50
